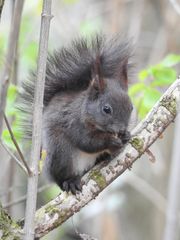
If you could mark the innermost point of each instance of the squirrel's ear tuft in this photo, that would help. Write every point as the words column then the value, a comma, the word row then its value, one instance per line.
column 123, row 74
column 97, row 75
column 97, row 84
column 94, row 90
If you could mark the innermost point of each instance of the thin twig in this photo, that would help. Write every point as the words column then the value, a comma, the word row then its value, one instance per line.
column 17, row 146
column 150, row 155
column 14, row 157
column 12, row 43
column 37, row 122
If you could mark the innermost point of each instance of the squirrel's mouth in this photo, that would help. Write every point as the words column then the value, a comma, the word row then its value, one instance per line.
column 98, row 127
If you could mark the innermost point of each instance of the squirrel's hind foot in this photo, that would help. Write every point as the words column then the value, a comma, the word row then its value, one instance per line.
column 72, row 185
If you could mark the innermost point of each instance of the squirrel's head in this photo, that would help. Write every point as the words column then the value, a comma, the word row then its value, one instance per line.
column 108, row 106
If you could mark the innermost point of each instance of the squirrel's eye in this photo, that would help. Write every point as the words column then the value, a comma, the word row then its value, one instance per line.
column 107, row 109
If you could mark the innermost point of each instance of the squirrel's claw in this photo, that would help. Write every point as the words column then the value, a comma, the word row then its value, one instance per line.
column 125, row 137
column 72, row 184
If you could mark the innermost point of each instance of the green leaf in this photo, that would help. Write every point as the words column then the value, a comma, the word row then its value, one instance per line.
column 30, row 54
column 136, row 88
column 146, row 102
column 170, row 60
column 151, row 96
column 143, row 110
column 11, row 97
column 144, row 94
column 163, row 76
column 7, row 138
column 12, row 111
column 12, row 93
column 143, row 74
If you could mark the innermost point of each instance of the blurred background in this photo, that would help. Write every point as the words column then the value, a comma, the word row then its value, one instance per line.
column 144, row 203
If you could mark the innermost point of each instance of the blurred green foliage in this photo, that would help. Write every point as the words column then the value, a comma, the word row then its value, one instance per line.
column 27, row 54
column 13, row 114
column 147, row 91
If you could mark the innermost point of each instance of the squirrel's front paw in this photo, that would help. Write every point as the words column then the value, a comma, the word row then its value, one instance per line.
column 125, row 136
column 116, row 143
column 72, row 184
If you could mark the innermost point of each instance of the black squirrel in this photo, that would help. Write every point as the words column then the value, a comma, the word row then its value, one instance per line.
column 86, row 107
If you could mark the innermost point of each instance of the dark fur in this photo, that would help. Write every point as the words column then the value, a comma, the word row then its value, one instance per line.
column 71, row 68
column 80, row 81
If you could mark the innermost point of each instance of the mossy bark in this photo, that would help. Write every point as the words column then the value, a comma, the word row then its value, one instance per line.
column 9, row 229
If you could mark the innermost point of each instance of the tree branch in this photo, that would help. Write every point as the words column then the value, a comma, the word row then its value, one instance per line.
column 37, row 122
column 65, row 205
column 12, row 42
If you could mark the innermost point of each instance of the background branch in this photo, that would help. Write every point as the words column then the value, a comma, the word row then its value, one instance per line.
column 17, row 146
column 175, row 5
column 23, row 198
column 37, row 122
column 12, row 43
column 13, row 156
column 172, row 218
column 65, row 205
column 1, row 7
